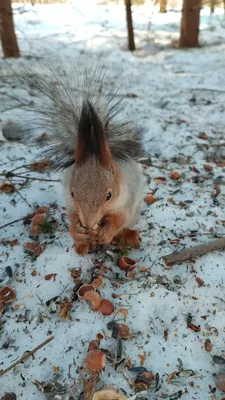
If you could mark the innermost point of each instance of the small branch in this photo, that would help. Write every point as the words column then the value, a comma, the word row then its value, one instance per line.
column 22, row 197
column 15, row 221
column 194, row 252
column 12, row 175
column 27, row 355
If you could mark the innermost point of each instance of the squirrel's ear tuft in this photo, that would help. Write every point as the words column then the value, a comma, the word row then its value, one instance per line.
column 91, row 138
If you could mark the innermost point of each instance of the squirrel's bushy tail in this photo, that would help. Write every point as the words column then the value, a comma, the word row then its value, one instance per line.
column 62, row 94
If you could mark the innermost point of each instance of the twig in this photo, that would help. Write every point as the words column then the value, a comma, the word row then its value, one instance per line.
column 12, row 175
column 194, row 252
column 16, row 220
column 23, row 198
column 24, row 357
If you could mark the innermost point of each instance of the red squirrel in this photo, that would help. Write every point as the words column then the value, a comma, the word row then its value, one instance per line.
column 97, row 149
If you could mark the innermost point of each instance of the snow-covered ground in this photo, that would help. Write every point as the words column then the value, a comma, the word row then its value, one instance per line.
column 179, row 96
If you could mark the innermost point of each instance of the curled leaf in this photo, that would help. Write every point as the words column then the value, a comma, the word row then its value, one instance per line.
column 6, row 187
column 174, row 175
column 49, row 277
column 208, row 345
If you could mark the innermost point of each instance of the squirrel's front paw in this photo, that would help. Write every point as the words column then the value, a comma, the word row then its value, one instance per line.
column 105, row 235
column 82, row 239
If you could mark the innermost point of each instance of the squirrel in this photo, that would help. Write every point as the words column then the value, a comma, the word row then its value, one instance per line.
column 96, row 148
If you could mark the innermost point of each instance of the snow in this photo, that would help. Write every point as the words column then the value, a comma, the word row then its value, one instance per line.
column 179, row 94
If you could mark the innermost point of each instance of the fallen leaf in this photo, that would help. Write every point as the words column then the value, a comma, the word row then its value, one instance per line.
column 216, row 191
column 194, row 298
column 199, row 281
column 170, row 377
column 34, row 272
column 65, row 306
column 173, row 241
column 202, row 135
column 166, row 333
column 208, row 345
column 122, row 311
column 48, row 277
column 143, row 269
column 160, row 179
column 12, row 243
column 6, row 187
column 194, row 328
column 195, row 170
column 142, row 358
column 124, row 331
column 140, row 385
column 31, row 245
column 75, row 272
column 174, row 175
column 56, row 370
column 208, row 167
column 171, row 200
column 150, row 199
column 40, row 166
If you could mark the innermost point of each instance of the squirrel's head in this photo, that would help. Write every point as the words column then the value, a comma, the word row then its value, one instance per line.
column 96, row 180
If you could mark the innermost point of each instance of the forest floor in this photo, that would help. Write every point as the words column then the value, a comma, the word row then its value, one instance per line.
column 179, row 96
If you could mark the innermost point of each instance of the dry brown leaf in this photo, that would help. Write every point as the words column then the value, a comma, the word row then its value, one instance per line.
column 124, row 331
column 171, row 200
column 166, row 334
column 170, row 377
column 160, row 179
column 6, row 187
column 34, row 272
column 208, row 345
column 174, row 241
column 56, row 370
column 40, row 166
column 142, row 358
column 216, row 191
column 194, row 328
column 122, row 311
column 202, row 135
column 199, row 281
column 174, row 175
column 143, row 269
column 208, row 167
column 65, row 307
column 195, row 169
column 12, row 243
column 49, row 277
column 150, row 199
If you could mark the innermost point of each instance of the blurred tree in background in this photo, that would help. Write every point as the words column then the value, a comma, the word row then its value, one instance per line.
column 190, row 23
column 130, row 29
column 7, row 32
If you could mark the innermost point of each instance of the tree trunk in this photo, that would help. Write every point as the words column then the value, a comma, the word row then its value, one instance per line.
column 162, row 4
column 212, row 6
column 190, row 23
column 130, row 30
column 7, row 33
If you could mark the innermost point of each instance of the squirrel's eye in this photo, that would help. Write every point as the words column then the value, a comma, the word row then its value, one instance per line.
column 72, row 194
column 109, row 195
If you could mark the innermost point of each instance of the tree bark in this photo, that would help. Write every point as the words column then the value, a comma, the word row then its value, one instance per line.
column 190, row 23
column 162, row 5
column 212, row 7
column 7, row 33
column 130, row 30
